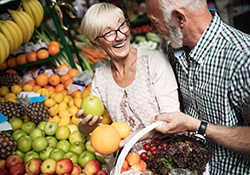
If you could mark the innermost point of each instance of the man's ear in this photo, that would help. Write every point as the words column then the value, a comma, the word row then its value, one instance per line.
column 179, row 15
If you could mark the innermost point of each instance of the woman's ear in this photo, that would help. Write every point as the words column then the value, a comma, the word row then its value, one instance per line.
column 179, row 15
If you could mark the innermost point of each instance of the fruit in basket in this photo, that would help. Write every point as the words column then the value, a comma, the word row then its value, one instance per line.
column 111, row 142
column 8, row 145
column 122, row 127
column 92, row 167
column 92, row 105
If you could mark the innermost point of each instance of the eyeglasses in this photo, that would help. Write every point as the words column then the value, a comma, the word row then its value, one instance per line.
column 112, row 34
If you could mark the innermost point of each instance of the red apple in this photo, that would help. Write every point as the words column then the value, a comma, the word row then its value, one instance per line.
column 3, row 171
column 64, row 165
column 48, row 166
column 101, row 172
column 77, row 169
column 33, row 165
column 13, row 160
column 29, row 173
column 18, row 169
column 92, row 166
column 2, row 163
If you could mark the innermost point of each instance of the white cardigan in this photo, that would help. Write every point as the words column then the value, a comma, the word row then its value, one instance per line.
column 153, row 91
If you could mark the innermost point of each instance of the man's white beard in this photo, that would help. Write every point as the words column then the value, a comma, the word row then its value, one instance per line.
column 175, row 36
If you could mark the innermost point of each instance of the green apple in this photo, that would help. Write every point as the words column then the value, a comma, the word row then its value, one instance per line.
column 16, row 123
column 37, row 132
column 77, row 147
column 73, row 156
column 19, row 153
column 18, row 133
column 39, row 144
column 64, row 145
column 72, row 128
column 41, row 125
column 76, row 136
column 24, row 143
column 56, row 153
column 85, row 157
column 52, row 141
column 62, row 133
column 28, row 127
column 29, row 155
column 89, row 147
column 44, row 154
column 92, row 105
column 50, row 128
column 101, row 159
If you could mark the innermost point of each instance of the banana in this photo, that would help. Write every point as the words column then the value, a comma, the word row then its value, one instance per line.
column 36, row 12
column 19, row 21
column 9, row 37
column 13, row 33
column 6, row 44
column 17, row 30
column 40, row 8
column 27, row 9
column 28, row 22
column 2, row 51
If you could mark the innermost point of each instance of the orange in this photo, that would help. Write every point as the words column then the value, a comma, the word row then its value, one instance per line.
column 54, row 43
column 133, row 158
column 12, row 62
column 75, row 92
column 62, row 66
column 125, row 165
column 143, row 164
column 50, row 88
column 65, row 92
column 108, row 145
column 35, row 88
column 135, row 167
column 65, row 77
column 68, row 82
column 54, row 79
column 42, row 80
column 31, row 82
column 88, row 86
column 42, row 54
column 11, row 71
column 122, row 127
column 21, row 59
column 4, row 65
column 73, row 72
column 31, row 56
column 53, row 49
column 59, row 88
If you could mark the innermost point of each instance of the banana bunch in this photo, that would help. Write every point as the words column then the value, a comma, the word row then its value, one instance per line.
column 35, row 9
column 5, row 48
column 25, row 22
column 13, row 34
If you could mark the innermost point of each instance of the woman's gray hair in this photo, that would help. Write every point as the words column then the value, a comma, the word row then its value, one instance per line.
column 98, row 17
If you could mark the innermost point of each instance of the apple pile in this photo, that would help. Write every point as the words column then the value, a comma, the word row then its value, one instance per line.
column 48, row 144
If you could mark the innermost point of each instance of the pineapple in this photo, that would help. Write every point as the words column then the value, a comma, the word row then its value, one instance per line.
column 8, row 145
column 35, row 111
column 9, row 79
column 11, row 109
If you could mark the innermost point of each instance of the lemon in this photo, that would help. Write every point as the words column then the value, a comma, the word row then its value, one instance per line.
column 74, row 120
column 73, row 110
column 64, row 114
column 78, row 94
column 10, row 96
column 106, row 117
column 53, row 111
column 59, row 97
column 4, row 90
column 27, row 88
column 66, row 99
column 85, row 93
column 49, row 102
column 77, row 101
column 122, row 127
column 45, row 92
column 16, row 89
column 62, row 106
column 64, row 121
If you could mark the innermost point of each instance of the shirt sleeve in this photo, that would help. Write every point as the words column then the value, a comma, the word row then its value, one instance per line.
column 165, row 85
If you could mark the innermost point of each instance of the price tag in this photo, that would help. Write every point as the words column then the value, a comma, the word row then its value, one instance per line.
column 85, row 77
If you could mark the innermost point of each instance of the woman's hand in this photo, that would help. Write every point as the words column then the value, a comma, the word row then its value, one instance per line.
column 87, row 124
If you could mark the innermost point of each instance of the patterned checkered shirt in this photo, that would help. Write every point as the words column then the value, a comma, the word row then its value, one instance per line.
column 214, row 82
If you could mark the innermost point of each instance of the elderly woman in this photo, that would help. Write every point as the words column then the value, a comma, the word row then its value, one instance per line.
column 134, row 85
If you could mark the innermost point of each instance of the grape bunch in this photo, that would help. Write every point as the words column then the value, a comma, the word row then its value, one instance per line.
column 177, row 151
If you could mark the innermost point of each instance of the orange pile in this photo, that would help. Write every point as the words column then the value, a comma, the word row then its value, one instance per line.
column 133, row 162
